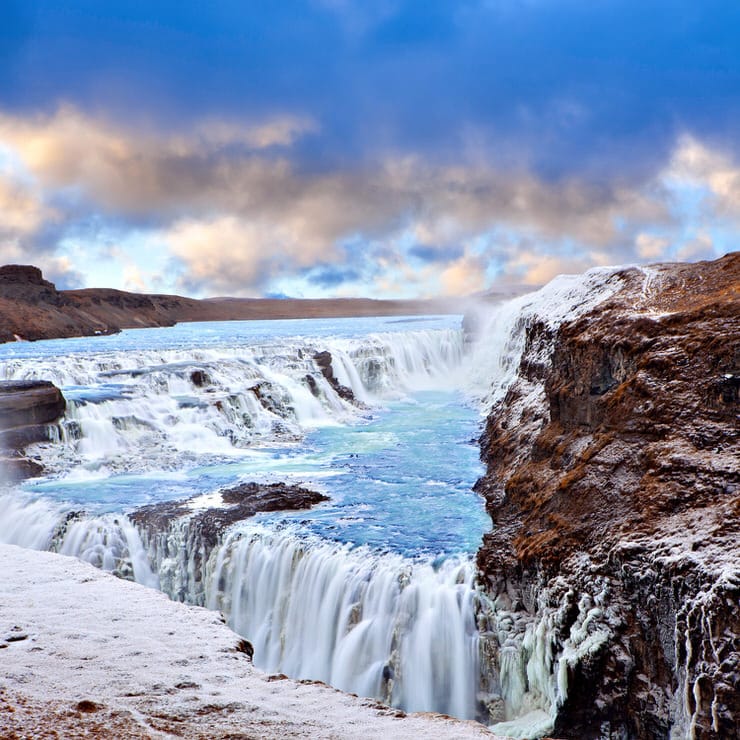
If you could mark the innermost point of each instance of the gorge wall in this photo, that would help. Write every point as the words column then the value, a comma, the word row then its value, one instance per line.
column 613, row 482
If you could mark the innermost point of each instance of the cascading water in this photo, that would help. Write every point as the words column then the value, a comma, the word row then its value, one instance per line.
column 164, row 407
column 373, row 591
column 373, row 625
column 346, row 593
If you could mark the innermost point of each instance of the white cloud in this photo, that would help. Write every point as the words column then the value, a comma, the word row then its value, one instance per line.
column 464, row 276
column 651, row 247
column 701, row 247
column 697, row 164
column 231, row 255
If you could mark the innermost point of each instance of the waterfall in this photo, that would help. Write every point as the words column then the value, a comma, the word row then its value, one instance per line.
column 109, row 542
column 380, row 626
column 160, row 409
column 492, row 364
column 400, row 629
column 403, row 630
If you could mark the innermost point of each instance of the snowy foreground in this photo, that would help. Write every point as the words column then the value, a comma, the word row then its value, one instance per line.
column 83, row 653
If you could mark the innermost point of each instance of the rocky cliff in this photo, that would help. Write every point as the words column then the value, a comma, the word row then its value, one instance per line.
column 32, row 308
column 613, row 483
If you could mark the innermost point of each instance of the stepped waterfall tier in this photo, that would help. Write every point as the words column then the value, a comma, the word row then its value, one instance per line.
column 372, row 591
column 601, row 601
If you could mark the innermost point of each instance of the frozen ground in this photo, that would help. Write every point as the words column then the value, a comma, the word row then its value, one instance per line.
column 84, row 654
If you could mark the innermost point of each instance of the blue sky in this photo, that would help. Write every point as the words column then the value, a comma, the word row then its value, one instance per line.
column 386, row 148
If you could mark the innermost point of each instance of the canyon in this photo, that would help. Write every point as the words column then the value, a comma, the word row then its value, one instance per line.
column 609, row 583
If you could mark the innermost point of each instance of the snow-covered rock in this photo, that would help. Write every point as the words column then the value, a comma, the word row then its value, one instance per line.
column 83, row 653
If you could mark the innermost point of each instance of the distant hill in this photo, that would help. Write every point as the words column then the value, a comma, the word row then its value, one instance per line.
column 32, row 308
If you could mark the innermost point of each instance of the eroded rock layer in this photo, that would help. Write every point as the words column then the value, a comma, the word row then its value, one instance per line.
column 27, row 408
column 613, row 482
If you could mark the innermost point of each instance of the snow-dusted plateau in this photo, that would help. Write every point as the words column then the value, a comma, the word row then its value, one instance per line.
column 317, row 486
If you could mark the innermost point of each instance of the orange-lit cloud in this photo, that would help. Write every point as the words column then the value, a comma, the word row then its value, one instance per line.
column 234, row 210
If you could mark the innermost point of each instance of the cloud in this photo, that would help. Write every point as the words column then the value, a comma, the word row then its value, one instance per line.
column 231, row 255
column 21, row 210
column 700, row 247
column 144, row 172
column 651, row 247
column 61, row 272
column 236, row 207
column 697, row 164
column 331, row 277
column 427, row 253
column 280, row 131
column 464, row 276
column 537, row 269
column 25, row 219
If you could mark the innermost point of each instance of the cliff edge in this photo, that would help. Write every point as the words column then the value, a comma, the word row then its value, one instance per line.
column 613, row 483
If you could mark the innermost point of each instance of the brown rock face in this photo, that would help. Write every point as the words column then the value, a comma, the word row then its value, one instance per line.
column 32, row 308
column 26, row 410
column 29, row 402
column 628, row 477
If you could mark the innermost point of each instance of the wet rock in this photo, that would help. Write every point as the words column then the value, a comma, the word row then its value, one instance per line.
column 272, row 398
column 199, row 378
column 239, row 503
column 26, row 403
column 180, row 533
column 14, row 469
column 312, row 385
column 323, row 361
column 27, row 409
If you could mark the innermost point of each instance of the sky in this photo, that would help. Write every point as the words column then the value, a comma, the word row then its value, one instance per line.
column 380, row 148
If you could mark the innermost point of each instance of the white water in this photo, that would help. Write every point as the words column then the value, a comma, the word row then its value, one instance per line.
column 363, row 623
column 494, row 360
column 402, row 629
column 394, row 626
column 108, row 542
column 134, row 410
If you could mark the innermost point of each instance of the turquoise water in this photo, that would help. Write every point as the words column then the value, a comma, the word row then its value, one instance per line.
column 398, row 481
column 399, row 472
